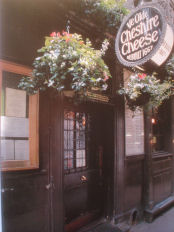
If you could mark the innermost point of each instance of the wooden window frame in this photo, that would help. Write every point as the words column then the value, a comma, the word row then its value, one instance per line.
column 33, row 162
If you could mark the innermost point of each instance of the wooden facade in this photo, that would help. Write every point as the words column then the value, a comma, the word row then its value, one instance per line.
column 45, row 197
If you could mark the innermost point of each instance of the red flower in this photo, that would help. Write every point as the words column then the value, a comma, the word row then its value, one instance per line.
column 64, row 33
column 58, row 34
column 142, row 76
column 106, row 77
column 67, row 39
column 81, row 42
column 53, row 34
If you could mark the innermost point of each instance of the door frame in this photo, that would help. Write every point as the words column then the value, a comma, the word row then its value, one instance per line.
column 56, row 157
column 56, row 154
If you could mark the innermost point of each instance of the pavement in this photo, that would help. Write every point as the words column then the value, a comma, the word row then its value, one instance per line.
column 103, row 227
column 163, row 223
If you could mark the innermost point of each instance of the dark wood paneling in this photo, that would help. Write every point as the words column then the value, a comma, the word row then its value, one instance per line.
column 162, row 178
column 22, row 197
column 133, row 183
column 158, row 168
column 119, row 141
column 90, row 194
column 25, row 199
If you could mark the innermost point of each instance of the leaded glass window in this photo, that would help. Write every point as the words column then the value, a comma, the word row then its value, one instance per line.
column 76, row 139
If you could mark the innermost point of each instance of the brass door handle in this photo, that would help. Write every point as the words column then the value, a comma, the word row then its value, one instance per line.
column 48, row 186
column 83, row 178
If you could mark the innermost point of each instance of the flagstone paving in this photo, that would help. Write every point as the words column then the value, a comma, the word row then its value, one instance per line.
column 163, row 223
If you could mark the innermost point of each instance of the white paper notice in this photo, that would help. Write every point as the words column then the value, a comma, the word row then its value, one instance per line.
column 134, row 127
column 14, row 127
column 15, row 104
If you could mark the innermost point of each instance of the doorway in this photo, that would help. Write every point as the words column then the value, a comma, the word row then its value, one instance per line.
column 88, row 163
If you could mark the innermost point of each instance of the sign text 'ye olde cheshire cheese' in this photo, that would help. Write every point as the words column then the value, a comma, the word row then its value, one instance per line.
column 144, row 35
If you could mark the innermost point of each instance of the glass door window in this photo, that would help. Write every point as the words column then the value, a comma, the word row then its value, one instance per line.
column 76, row 139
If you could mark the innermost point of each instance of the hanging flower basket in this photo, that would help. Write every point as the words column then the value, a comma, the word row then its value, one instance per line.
column 140, row 101
column 68, row 63
column 143, row 90
column 170, row 66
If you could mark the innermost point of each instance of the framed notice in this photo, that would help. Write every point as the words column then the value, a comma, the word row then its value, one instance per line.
column 134, row 128
column 134, row 132
column 19, row 142
column 15, row 103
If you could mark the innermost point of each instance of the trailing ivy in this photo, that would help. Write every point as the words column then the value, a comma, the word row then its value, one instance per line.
column 106, row 14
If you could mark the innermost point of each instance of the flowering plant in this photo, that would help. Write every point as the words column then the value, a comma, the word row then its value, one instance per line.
column 142, row 90
column 68, row 63
column 170, row 66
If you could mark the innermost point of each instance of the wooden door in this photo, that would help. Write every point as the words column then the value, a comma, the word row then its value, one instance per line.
column 85, row 165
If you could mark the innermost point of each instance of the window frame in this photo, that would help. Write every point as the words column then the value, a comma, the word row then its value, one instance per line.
column 33, row 162
column 161, row 127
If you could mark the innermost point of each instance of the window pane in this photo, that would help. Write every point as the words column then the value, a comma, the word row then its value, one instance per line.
column 68, row 124
column 69, row 115
column 161, row 128
column 80, row 158
column 75, row 139
column 14, row 119
column 68, row 160
column 80, row 139
column 68, row 140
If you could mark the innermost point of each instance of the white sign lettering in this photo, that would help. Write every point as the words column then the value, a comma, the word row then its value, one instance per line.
column 141, row 35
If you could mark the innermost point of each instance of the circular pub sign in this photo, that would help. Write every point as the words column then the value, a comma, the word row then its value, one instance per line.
column 144, row 35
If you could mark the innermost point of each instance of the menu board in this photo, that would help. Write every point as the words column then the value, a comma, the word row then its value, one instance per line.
column 134, row 128
column 15, row 103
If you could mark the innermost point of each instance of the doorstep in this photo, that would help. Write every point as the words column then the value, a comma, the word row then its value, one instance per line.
column 101, row 226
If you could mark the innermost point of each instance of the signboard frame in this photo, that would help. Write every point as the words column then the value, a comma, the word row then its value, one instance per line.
column 160, row 41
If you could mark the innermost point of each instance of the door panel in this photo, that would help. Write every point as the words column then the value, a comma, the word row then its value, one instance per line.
column 85, row 177
column 82, row 196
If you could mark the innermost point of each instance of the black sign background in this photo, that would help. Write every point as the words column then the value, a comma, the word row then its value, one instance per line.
column 140, row 35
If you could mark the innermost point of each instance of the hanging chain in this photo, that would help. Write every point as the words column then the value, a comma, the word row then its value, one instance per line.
column 68, row 26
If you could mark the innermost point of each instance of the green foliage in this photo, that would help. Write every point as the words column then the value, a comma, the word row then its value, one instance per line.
column 106, row 14
column 170, row 66
column 143, row 90
column 68, row 63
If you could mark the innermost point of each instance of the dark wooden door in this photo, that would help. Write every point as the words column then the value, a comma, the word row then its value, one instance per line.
column 85, row 164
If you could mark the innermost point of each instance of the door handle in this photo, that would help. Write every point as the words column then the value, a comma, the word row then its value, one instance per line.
column 48, row 186
column 83, row 179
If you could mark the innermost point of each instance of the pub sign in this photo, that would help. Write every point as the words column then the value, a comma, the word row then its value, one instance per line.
column 144, row 36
